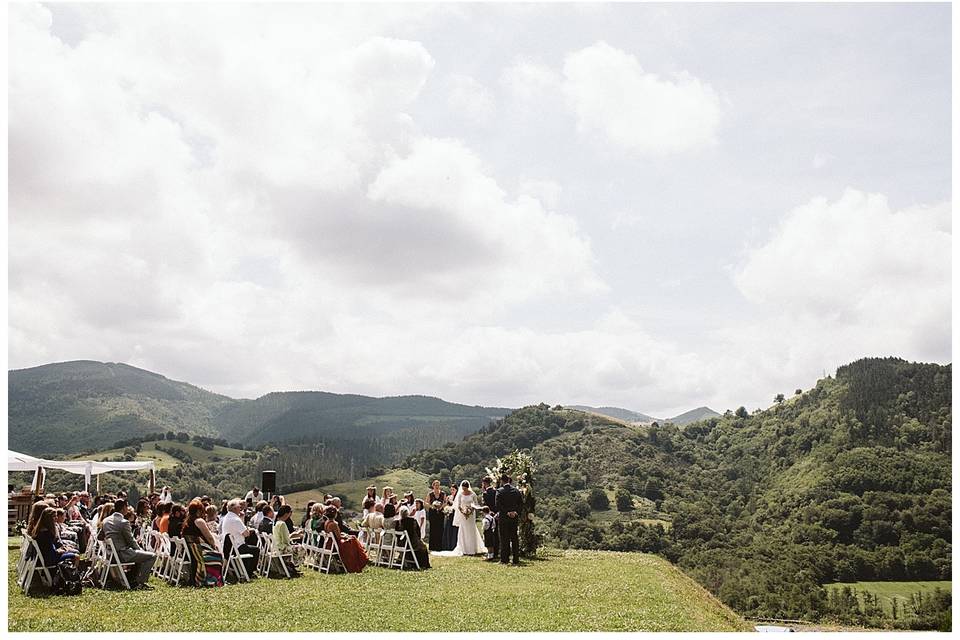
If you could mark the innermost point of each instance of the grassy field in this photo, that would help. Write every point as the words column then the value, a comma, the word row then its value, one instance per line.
column 562, row 591
column 886, row 591
column 164, row 460
column 352, row 492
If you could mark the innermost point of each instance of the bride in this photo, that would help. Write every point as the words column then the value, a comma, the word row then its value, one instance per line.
column 465, row 506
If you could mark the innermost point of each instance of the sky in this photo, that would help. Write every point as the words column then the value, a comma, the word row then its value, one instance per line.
column 655, row 207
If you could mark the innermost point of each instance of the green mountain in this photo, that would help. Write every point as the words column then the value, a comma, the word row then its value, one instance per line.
column 77, row 406
column 615, row 412
column 850, row 481
column 69, row 407
column 700, row 413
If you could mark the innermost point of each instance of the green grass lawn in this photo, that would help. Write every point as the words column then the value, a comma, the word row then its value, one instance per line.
column 562, row 591
column 352, row 492
column 164, row 460
column 886, row 591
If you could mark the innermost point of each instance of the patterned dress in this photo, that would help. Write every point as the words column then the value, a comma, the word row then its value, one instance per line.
column 206, row 563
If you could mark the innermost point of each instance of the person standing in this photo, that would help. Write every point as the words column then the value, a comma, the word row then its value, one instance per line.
column 435, row 501
column 508, row 503
column 450, row 532
column 490, row 501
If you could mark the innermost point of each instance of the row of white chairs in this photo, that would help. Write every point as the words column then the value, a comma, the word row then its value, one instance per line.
column 390, row 549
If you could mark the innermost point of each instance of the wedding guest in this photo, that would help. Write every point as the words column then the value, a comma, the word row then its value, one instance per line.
column 266, row 520
column 210, row 518
column 316, row 518
column 166, row 495
column 43, row 531
column 163, row 517
column 352, row 554
column 283, row 541
column 343, row 526
column 374, row 518
column 117, row 530
column 389, row 514
column 234, row 532
column 509, row 502
column 371, row 493
column 490, row 533
column 306, row 515
column 409, row 526
column 177, row 515
column 258, row 514
column 253, row 496
column 450, row 532
column 420, row 515
column 387, row 494
column 407, row 500
column 435, row 519
column 206, row 562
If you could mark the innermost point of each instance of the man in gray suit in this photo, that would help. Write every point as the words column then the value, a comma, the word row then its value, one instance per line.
column 117, row 529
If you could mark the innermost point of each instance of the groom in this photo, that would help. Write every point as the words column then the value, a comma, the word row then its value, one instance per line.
column 508, row 503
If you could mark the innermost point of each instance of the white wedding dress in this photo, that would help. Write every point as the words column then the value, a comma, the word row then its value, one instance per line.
column 469, row 542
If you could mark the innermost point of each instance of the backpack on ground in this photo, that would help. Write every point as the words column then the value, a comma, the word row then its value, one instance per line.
column 66, row 578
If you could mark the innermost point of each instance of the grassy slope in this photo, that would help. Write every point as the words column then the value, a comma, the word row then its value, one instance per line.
column 164, row 460
column 352, row 492
column 566, row 591
column 886, row 591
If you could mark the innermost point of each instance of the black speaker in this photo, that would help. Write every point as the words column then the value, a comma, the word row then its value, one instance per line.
column 269, row 484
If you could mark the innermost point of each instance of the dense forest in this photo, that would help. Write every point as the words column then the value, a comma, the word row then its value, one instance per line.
column 848, row 481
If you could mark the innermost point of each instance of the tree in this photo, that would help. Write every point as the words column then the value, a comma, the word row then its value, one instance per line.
column 598, row 499
column 741, row 412
column 652, row 490
column 171, row 435
column 624, row 500
column 183, row 436
column 798, row 392
column 779, row 398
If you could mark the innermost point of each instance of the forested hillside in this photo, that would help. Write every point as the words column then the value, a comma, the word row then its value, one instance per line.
column 848, row 481
column 70, row 407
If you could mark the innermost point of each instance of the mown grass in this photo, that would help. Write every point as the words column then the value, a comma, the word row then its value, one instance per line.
column 163, row 460
column 887, row 591
column 561, row 591
column 352, row 492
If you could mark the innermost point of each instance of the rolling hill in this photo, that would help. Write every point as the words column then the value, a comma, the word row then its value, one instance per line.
column 847, row 482
column 70, row 407
column 627, row 415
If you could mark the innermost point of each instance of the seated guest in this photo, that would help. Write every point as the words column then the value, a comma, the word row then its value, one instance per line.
column 257, row 514
column 266, row 522
column 306, row 515
column 206, row 562
column 144, row 515
column 73, row 509
column 223, row 508
column 371, row 520
column 106, row 510
column 35, row 512
column 44, row 532
column 316, row 518
column 389, row 514
column 177, row 515
column 283, row 542
column 343, row 527
column 233, row 532
column 352, row 554
column 117, row 529
column 409, row 526
column 211, row 519
column 66, row 535
column 163, row 517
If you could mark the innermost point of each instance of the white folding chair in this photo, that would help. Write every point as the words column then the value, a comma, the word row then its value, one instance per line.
column 329, row 552
column 22, row 558
column 311, row 552
column 164, row 556
column 388, row 541
column 372, row 542
column 234, row 562
column 403, row 550
column 33, row 565
column 111, row 560
column 179, row 557
column 271, row 552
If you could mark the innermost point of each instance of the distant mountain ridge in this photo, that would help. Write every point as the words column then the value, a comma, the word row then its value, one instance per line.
column 69, row 407
column 628, row 415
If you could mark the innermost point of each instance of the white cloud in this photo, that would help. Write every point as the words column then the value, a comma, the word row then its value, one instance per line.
column 471, row 99
column 529, row 81
column 612, row 95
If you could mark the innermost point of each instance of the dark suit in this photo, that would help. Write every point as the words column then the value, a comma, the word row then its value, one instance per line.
column 509, row 499
column 266, row 525
column 490, row 500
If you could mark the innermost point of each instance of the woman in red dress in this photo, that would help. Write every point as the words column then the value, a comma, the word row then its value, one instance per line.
column 352, row 554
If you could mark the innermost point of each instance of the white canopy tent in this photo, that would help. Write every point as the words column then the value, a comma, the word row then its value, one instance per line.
column 86, row 468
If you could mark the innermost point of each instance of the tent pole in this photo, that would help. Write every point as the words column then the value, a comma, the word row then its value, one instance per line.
column 153, row 482
column 98, row 484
